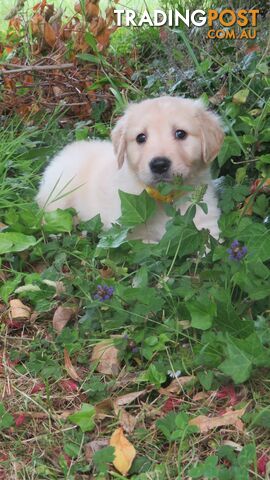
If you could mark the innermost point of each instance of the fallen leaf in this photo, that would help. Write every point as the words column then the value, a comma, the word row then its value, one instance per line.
column 18, row 310
column 92, row 447
column 106, row 355
column 49, row 34
column 129, row 398
column 176, row 385
column 69, row 367
column 20, row 419
column 61, row 317
column 231, row 417
column 69, row 385
column 219, row 96
column 228, row 391
column 124, row 451
column 262, row 464
column 104, row 408
column 171, row 404
column 38, row 387
column 126, row 420
column 200, row 396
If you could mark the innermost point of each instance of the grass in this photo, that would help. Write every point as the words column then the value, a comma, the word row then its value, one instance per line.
column 187, row 330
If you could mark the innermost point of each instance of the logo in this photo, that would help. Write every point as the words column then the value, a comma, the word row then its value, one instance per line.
column 227, row 23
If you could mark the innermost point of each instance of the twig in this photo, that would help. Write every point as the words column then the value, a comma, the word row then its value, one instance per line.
column 38, row 68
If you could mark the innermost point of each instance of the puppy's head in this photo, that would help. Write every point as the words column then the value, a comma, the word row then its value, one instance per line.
column 167, row 136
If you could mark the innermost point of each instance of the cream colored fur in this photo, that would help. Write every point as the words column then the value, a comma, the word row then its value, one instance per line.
column 87, row 175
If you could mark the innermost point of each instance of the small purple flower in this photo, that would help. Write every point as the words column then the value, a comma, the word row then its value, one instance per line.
column 237, row 251
column 104, row 292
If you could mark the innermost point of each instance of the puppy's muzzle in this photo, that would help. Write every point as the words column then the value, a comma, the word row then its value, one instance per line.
column 160, row 165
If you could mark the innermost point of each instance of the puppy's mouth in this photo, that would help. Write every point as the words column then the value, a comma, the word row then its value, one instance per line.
column 164, row 178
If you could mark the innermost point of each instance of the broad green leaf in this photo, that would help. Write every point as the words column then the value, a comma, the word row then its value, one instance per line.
column 15, row 242
column 242, row 355
column 113, row 238
column 102, row 458
column 136, row 209
column 207, row 469
column 58, row 221
column 202, row 311
column 262, row 418
column 84, row 418
column 6, row 420
column 230, row 148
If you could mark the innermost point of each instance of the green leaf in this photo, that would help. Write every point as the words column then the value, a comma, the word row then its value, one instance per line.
column 84, row 418
column 136, row 209
column 242, row 355
column 207, row 469
column 58, row 221
column 102, row 458
column 167, row 425
column 230, row 148
column 113, row 238
column 262, row 418
column 8, row 287
column 6, row 420
column 202, row 311
column 241, row 96
column 15, row 242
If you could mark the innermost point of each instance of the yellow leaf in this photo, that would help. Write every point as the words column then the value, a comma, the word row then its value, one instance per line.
column 124, row 451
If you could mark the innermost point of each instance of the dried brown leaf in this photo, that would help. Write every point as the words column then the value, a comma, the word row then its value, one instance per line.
column 61, row 317
column 200, row 396
column 19, row 311
column 69, row 367
column 126, row 420
column 231, row 417
column 106, row 355
column 49, row 34
column 129, row 398
column 176, row 386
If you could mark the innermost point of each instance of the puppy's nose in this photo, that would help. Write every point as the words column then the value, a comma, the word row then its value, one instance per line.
column 160, row 165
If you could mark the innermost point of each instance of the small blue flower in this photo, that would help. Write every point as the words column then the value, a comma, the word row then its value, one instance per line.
column 104, row 292
column 237, row 251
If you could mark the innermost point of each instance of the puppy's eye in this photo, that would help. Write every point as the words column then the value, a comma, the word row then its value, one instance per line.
column 141, row 138
column 180, row 134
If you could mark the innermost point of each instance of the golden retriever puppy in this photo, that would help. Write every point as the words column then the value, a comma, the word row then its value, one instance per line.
column 154, row 141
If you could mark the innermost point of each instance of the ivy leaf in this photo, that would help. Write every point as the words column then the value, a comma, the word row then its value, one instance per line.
column 58, row 221
column 242, row 355
column 202, row 311
column 136, row 209
column 113, row 238
column 15, row 242
column 230, row 148
column 84, row 418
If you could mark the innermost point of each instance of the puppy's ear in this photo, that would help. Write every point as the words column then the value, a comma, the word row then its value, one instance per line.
column 118, row 136
column 212, row 134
